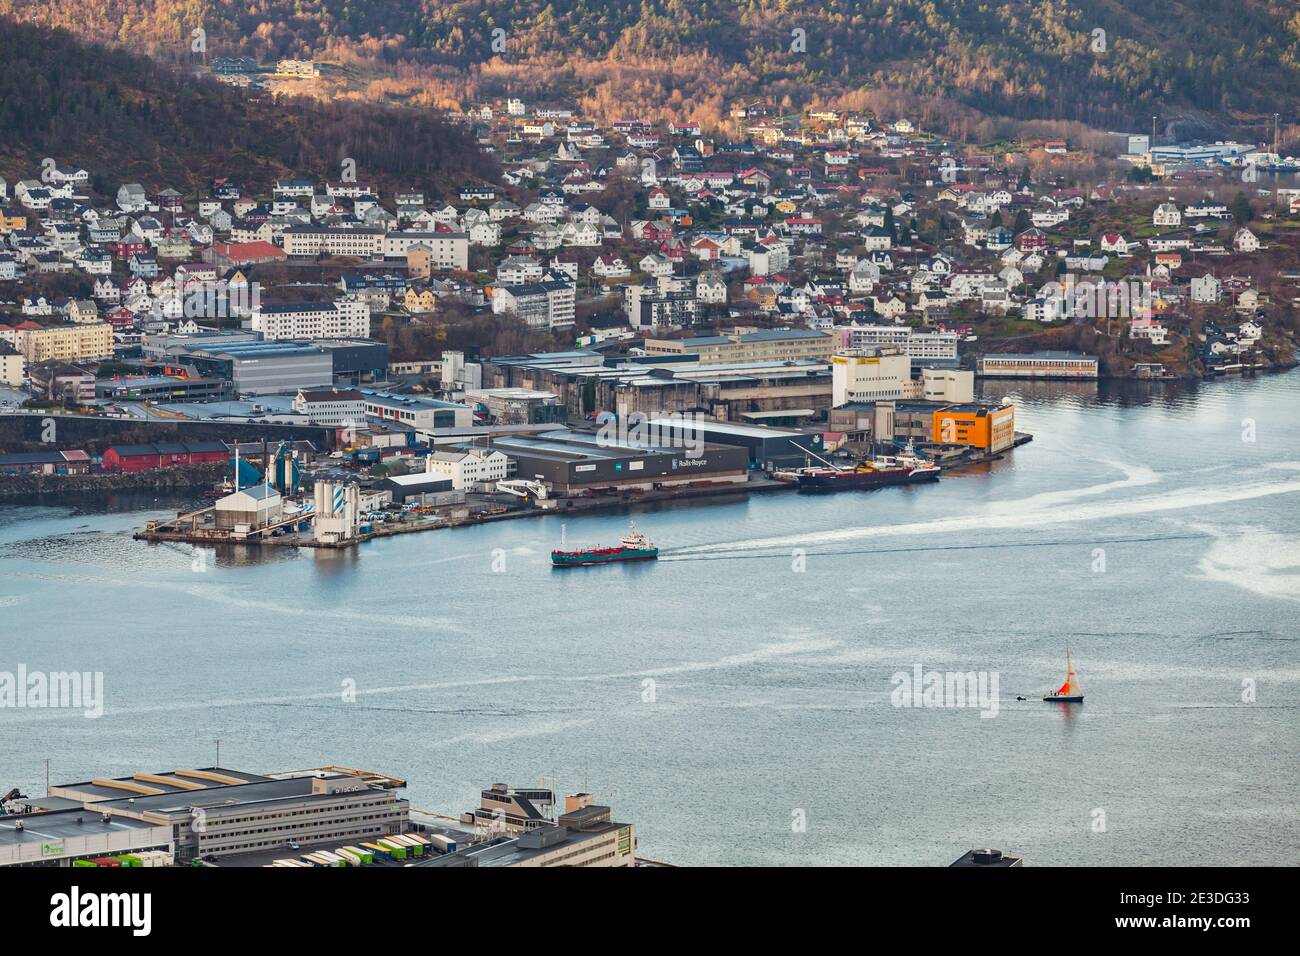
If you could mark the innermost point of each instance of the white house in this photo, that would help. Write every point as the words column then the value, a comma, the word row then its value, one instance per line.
column 1205, row 289
column 1245, row 241
column 1167, row 214
column 710, row 289
column 611, row 266
column 467, row 468
column 656, row 265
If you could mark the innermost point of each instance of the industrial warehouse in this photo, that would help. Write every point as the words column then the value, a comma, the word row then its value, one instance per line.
column 573, row 461
column 321, row 817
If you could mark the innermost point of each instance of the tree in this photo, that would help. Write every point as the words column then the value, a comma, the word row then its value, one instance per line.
column 1241, row 210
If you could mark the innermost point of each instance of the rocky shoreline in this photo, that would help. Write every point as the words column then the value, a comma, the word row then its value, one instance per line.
column 171, row 479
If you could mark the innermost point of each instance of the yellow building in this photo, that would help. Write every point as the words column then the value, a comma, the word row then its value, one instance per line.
column 12, row 220
column 417, row 300
column 419, row 261
column 990, row 428
column 66, row 343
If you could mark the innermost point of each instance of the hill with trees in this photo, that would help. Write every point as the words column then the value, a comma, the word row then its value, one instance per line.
column 127, row 117
column 1107, row 63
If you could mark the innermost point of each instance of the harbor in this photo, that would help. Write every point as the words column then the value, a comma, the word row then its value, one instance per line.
column 759, row 674
column 280, row 515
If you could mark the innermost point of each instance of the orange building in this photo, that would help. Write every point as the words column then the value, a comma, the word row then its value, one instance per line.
column 991, row 428
column 11, row 220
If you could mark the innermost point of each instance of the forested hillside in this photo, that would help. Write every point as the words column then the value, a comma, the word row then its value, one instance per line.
column 128, row 118
column 1020, row 58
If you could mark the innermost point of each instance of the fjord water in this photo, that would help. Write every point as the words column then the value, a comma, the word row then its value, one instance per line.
column 720, row 697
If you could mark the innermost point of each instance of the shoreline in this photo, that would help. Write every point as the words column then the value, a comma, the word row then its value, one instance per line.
column 617, row 502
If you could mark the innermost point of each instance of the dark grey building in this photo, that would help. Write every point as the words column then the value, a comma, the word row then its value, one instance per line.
column 356, row 361
column 573, row 461
column 763, row 446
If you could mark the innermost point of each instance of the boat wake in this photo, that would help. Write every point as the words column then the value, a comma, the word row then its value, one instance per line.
column 1036, row 511
column 1262, row 562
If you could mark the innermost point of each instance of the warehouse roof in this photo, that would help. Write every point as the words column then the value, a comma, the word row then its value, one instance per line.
column 168, row 448
column 55, row 825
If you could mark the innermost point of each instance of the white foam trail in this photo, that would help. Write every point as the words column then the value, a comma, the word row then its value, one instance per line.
column 508, row 734
column 1256, row 560
column 1014, row 515
column 758, row 655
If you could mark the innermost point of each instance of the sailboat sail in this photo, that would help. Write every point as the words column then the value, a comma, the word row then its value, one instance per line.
column 1071, row 687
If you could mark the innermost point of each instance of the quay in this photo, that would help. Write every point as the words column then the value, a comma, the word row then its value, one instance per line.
column 200, row 526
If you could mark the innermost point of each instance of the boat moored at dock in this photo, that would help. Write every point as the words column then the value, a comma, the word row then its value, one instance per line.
column 878, row 472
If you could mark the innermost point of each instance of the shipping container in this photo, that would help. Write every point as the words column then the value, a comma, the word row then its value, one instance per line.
column 442, row 844
column 367, row 856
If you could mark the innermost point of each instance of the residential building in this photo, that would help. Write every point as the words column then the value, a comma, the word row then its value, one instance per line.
column 542, row 305
column 342, row 319
column 75, row 342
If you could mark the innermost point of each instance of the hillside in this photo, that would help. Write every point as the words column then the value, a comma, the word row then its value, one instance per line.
column 128, row 118
column 963, row 60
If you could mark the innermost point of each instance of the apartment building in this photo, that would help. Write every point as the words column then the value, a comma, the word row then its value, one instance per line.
column 932, row 346
column 11, row 365
column 66, row 343
column 342, row 319
column 310, row 241
column 543, row 305
column 447, row 250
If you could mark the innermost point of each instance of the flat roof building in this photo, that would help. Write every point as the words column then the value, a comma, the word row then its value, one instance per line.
column 266, row 368
column 1044, row 365
column 56, row 838
column 217, row 812
column 416, row 411
column 763, row 446
column 572, row 461
column 761, row 345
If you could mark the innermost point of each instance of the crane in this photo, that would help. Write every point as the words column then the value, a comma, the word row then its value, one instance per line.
column 521, row 488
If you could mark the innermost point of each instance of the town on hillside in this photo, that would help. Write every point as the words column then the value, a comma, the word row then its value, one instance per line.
column 804, row 273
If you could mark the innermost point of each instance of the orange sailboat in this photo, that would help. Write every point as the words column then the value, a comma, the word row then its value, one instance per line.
column 1069, row 692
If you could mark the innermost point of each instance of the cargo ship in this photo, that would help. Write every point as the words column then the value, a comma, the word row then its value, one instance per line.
column 878, row 472
column 634, row 547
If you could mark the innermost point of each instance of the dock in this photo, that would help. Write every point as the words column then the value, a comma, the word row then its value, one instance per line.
column 198, row 526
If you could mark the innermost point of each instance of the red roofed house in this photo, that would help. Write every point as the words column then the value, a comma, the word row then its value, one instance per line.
column 235, row 255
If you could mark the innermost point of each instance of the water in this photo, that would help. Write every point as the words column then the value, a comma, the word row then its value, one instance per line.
column 716, row 697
